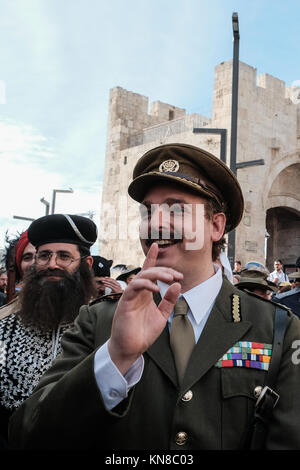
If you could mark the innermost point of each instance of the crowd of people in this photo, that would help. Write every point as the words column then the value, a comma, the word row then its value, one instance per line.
column 168, row 355
column 277, row 286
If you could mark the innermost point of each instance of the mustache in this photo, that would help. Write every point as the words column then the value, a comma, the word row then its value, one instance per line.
column 163, row 234
column 50, row 272
column 41, row 276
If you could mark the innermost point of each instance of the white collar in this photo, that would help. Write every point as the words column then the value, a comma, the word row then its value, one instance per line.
column 207, row 291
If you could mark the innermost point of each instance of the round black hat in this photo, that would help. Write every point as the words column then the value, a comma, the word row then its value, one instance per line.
column 101, row 266
column 64, row 228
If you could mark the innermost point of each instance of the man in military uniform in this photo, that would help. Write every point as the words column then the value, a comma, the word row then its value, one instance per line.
column 179, row 361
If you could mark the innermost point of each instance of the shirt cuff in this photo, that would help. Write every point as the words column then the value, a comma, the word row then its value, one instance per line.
column 114, row 387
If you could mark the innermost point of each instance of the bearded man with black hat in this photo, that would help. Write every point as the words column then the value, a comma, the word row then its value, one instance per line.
column 180, row 360
column 54, row 289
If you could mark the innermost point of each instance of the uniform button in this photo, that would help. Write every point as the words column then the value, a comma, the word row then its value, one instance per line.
column 187, row 396
column 181, row 438
column 257, row 391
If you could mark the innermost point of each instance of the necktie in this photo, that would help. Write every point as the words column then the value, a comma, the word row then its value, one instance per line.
column 182, row 338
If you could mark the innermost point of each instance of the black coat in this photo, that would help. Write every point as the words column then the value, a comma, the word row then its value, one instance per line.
column 291, row 300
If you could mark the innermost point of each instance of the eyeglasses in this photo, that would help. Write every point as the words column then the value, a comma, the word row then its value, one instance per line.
column 62, row 258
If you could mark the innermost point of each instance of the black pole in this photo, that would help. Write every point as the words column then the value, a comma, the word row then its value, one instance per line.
column 234, row 116
column 235, row 89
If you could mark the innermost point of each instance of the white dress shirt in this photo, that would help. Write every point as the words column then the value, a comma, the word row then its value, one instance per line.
column 114, row 387
column 280, row 275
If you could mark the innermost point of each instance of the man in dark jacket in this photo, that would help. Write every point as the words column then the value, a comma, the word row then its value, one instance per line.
column 291, row 298
column 180, row 360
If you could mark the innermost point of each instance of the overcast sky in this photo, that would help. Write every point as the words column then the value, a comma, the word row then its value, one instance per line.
column 59, row 59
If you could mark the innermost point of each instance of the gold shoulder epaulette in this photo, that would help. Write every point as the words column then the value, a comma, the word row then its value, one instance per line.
column 236, row 314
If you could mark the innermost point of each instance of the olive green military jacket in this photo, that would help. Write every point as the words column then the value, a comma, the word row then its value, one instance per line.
column 66, row 410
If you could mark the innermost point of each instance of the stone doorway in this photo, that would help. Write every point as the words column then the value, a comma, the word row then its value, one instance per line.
column 282, row 235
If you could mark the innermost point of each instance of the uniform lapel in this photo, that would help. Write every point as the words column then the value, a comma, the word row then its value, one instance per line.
column 220, row 334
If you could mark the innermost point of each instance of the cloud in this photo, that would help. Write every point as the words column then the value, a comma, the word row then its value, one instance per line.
column 25, row 154
column 19, row 142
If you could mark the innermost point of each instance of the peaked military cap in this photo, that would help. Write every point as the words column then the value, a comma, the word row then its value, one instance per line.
column 64, row 228
column 194, row 169
column 101, row 266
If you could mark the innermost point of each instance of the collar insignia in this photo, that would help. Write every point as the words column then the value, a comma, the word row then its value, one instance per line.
column 236, row 308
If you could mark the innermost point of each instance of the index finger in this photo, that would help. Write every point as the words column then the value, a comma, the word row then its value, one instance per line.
column 151, row 257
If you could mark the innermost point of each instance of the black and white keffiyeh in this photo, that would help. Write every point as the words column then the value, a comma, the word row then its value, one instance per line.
column 25, row 355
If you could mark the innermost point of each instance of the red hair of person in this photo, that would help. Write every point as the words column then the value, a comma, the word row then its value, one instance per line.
column 21, row 245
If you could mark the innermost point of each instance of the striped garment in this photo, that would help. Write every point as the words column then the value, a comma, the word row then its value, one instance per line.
column 247, row 354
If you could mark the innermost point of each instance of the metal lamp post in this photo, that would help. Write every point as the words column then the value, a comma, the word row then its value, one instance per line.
column 47, row 204
column 54, row 196
column 234, row 118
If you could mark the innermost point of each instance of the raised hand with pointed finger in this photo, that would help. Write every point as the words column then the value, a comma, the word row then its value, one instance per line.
column 138, row 321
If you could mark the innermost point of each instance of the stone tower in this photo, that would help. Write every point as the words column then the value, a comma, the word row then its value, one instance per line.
column 268, row 160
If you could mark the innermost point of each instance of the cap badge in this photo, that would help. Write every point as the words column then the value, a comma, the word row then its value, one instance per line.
column 169, row 165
